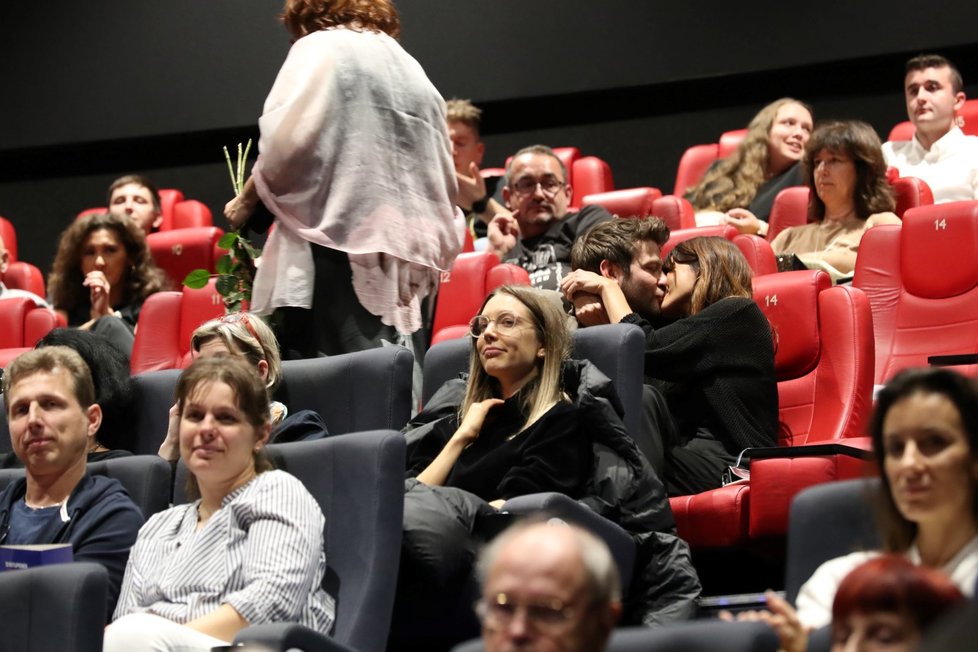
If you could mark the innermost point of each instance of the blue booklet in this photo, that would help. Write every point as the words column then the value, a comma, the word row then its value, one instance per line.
column 28, row 556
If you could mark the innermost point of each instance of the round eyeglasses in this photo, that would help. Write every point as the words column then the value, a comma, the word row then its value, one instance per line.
column 499, row 610
column 506, row 322
column 527, row 185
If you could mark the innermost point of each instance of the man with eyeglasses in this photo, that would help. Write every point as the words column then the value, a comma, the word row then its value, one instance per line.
column 539, row 234
column 548, row 586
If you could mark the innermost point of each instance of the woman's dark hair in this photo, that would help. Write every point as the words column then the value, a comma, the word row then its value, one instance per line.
column 250, row 396
column 893, row 584
column 143, row 277
column 858, row 141
column 721, row 270
column 899, row 533
column 113, row 385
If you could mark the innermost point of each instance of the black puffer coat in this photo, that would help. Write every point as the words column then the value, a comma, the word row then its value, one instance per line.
column 623, row 488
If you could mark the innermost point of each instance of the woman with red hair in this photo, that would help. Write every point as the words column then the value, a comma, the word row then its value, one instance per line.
column 887, row 603
column 355, row 167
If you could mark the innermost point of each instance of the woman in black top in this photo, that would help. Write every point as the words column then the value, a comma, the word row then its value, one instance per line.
column 516, row 432
column 102, row 274
column 712, row 387
column 742, row 187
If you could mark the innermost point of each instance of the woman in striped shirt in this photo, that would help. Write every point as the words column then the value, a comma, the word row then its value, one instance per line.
column 249, row 550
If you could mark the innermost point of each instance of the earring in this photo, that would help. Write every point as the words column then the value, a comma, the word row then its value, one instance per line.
column 959, row 121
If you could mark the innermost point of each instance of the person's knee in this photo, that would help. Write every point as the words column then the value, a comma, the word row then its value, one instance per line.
column 134, row 631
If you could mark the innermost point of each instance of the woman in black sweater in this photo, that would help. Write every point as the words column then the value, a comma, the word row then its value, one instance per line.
column 712, row 390
column 516, row 432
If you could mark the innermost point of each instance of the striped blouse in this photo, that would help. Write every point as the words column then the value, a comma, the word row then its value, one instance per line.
column 261, row 552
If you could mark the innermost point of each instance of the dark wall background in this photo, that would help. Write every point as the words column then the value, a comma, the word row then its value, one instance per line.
column 99, row 88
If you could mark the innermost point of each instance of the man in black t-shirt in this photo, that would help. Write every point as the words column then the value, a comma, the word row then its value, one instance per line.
column 539, row 234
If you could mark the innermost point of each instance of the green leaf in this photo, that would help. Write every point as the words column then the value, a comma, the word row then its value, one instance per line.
column 227, row 240
column 223, row 264
column 226, row 285
column 197, row 279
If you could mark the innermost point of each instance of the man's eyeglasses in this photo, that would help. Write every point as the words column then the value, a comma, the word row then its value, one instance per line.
column 506, row 322
column 499, row 610
column 526, row 186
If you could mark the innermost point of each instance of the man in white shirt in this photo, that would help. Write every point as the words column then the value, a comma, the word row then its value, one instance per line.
column 939, row 153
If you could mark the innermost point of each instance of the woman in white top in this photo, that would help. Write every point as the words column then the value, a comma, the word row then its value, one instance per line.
column 249, row 550
column 925, row 440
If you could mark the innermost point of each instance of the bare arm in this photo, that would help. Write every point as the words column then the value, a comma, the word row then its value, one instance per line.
column 223, row 623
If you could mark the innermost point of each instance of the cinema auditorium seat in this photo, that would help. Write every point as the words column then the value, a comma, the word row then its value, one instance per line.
column 824, row 366
column 22, row 324
column 166, row 322
column 921, row 279
column 464, row 287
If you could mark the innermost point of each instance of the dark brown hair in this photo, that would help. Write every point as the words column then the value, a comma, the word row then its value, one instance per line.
column 721, row 270
column 143, row 277
column 138, row 180
column 925, row 61
column 302, row 17
column 898, row 533
column 858, row 141
column 617, row 241
column 250, row 396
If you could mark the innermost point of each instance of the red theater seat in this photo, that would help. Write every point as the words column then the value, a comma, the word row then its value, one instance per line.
column 629, row 202
column 675, row 211
column 190, row 213
column 911, row 192
column 180, row 251
column 166, row 322
column 24, row 276
column 757, row 251
column 922, row 283
column 22, row 324
column 824, row 365
column 790, row 208
column 697, row 159
column 590, row 175
column 9, row 235
column 465, row 286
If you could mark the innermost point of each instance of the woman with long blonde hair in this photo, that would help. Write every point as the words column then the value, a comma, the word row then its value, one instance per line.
column 741, row 188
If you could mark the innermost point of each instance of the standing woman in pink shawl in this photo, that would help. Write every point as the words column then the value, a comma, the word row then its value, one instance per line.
column 355, row 167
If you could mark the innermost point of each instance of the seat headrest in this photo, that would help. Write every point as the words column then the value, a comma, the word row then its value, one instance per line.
column 934, row 234
column 790, row 302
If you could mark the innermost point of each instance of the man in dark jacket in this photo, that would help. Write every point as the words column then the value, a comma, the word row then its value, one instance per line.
column 53, row 418
column 540, row 231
